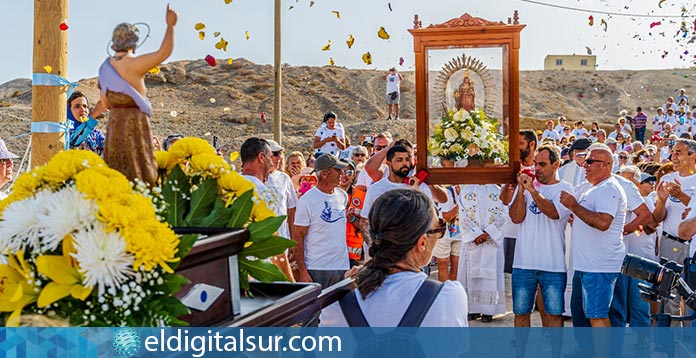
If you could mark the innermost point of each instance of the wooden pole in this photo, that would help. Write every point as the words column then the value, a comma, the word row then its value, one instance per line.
column 278, row 81
column 48, row 103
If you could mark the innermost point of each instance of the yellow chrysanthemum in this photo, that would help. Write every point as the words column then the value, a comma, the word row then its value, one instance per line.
column 208, row 165
column 165, row 160
column 260, row 211
column 187, row 147
column 152, row 243
column 102, row 183
column 16, row 291
column 125, row 210
column 66, row 164
column 235, row 183
column 29, row 181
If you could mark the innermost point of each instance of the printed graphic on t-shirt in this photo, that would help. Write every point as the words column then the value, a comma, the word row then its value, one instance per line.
column 331, row 215
column 534, row 208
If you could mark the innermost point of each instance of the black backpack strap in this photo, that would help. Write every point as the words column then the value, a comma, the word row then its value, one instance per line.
column 351, row 311
column 424, row 298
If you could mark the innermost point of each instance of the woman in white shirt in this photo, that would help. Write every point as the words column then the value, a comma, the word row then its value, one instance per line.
column 404, row 230
column 330, row 137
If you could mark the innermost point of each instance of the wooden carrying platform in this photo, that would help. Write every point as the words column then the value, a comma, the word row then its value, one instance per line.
column 213, row 261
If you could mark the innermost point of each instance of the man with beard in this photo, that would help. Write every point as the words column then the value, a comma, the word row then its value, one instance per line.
column 399, row 165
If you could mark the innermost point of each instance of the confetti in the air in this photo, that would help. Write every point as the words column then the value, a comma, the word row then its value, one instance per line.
column 589, row 50
column 229, row 61
column 216, row 33
column 173, row 114
column 263, row 117
column 48, row 69
column 327, row 47
column 656, row 23
column 222, row 44
column 367, row 58
column 390, row 8
column 228, row 2
column 401, row 61
column 331, row 61
column 311, row 3
column 591, row 19
column 210, row 60
column 604, row 22
column 154, row 70
column 382, row 33
column 234, row 156
column 63, row 26
column 199, row 26
column 291, row 7
column 660, row 3
column 246, row 33
column 338, row 15
column 350, row 41
column 212, row 100
column 201, row 35
column 226, row 109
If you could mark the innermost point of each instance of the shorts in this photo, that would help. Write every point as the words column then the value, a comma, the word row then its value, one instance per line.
column 447, row 247
column 393, row 99
column 596, row 291
column 524, row 290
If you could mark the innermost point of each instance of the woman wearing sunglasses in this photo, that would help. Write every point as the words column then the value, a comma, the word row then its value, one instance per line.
column 404, row 228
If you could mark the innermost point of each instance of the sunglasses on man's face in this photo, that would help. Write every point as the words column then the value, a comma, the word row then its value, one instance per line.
column 592, row 161
column 277, row 154
column 623, row 157
column 359, row 155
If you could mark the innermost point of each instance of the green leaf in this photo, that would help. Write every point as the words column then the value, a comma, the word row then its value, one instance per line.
column 262, row 270
column 219, row 216
column 241, row 210
column 202, row 202
column 244, row 281
column 173, row 191
column 173, row 306
column 267, row 247
column 172, row 283
column 266, row 227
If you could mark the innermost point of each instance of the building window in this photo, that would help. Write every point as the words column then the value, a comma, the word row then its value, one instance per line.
column 583, row 62
column 559, row 62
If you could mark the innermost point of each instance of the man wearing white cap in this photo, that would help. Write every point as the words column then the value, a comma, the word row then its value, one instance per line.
column 5, row 166
column 281, row 182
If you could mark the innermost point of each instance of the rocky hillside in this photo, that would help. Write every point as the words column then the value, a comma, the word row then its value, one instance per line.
column 192, row 98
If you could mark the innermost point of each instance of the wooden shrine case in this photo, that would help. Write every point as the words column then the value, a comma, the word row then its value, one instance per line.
column 467, row 100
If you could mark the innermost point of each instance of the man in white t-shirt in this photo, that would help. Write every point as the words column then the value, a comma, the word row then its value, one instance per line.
column 393, row 96
column 375, row 167
column 282, row 183
column 597, row 249
column 674, row 195
column 320, row 226
column 540, row 246
column 257, row 163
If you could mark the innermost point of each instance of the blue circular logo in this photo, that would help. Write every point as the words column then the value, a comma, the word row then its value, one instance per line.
column 126, row 342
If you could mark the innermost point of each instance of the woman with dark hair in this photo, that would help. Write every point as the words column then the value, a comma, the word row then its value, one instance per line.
column 81, row 123
column 330, row 138
column 404, row 230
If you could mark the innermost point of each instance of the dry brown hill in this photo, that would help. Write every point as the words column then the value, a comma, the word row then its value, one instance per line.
column 226, row 100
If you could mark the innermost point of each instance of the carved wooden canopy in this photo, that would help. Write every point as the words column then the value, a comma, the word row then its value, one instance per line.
column 465, row 21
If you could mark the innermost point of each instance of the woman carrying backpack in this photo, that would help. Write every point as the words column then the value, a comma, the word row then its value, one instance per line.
column 391, row 289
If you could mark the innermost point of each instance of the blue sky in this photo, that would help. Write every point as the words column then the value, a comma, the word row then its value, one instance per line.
column 628, row 43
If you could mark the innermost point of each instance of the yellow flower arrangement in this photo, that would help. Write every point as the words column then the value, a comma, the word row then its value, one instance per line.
column 86, row 244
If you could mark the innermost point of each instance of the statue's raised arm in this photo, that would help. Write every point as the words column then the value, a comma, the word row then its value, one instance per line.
column 128, row 147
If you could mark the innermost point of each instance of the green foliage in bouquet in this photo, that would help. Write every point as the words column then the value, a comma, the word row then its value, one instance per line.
column 203, row 192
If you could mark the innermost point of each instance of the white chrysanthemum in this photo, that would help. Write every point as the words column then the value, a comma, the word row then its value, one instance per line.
column 21, row 227
column 102, row 258
column 66, row 212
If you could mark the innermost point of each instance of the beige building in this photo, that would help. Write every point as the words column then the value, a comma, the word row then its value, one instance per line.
column 570, row 62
